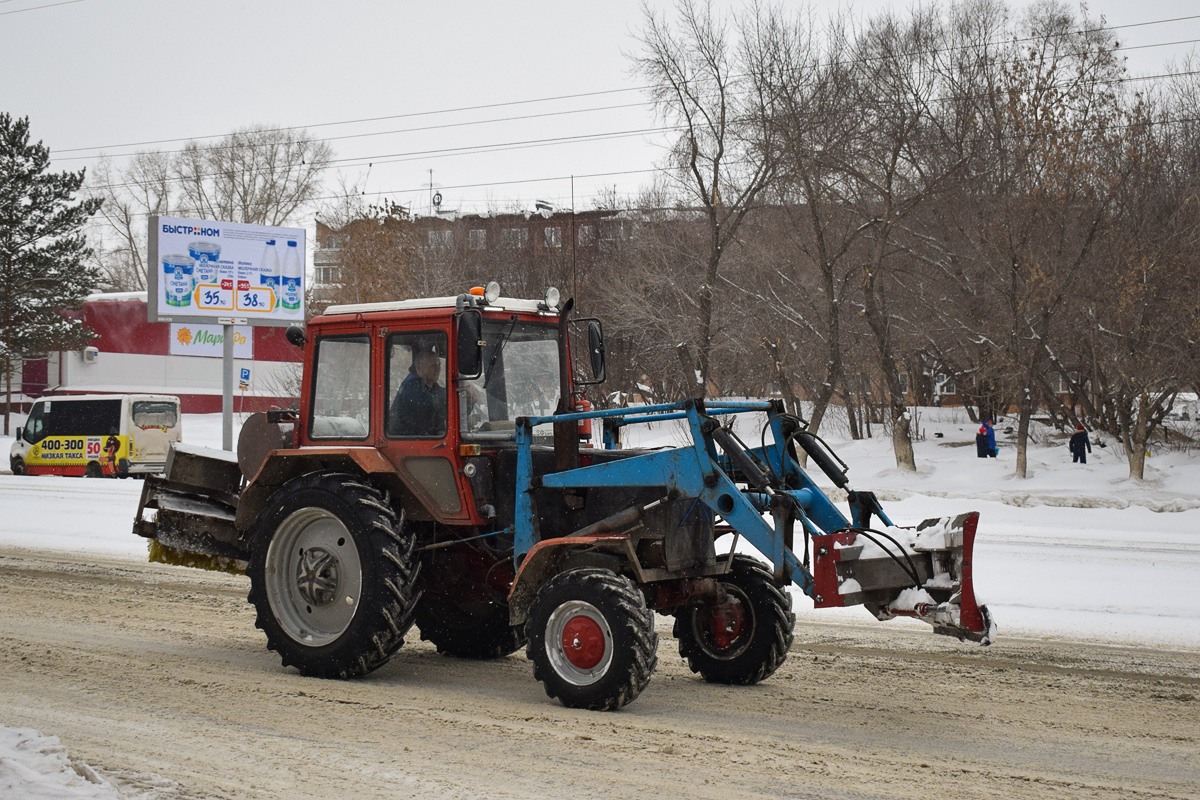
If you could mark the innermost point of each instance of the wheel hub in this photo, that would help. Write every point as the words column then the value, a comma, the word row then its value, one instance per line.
column 317, row 576
column 583, row 642
column 725, row 623
column 579, row 642
column 313, row 576
column 725, row 629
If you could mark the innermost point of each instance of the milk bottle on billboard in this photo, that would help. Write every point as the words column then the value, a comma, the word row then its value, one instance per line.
column 206, row 255
column 292, row 272
column 270, row 269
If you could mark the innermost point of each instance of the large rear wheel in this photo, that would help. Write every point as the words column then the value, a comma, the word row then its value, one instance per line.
column 332, row 576
column 464, row 605
column 743, row 639
column 591, row 639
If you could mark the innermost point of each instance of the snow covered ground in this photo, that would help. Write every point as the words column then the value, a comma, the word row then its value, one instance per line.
column 1073, row 552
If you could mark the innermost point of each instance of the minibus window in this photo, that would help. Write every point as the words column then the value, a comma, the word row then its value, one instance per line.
column 84, row 418
column 155, row 414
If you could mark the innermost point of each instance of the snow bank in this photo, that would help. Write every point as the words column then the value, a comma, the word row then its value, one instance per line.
column 37, row 767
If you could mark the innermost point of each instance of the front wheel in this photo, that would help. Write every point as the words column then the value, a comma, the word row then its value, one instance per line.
column 591, row 639
column 743, row 639
column 332, row 576
column 17, row 464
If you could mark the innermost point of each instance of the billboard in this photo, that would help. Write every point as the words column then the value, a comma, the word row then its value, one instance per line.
column 191, row 339
column 201, row 270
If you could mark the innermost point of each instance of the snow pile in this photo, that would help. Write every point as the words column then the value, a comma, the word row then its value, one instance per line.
column 37, row 767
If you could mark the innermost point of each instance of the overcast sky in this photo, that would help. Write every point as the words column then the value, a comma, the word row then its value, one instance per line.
column 105, row 75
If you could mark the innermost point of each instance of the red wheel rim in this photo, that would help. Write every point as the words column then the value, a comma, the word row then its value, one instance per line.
column 725, row 624
column 583, row 642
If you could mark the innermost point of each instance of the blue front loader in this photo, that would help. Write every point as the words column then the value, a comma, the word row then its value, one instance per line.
column 924, row 572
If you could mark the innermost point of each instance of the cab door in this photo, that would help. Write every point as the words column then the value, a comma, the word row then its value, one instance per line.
column 418, row 418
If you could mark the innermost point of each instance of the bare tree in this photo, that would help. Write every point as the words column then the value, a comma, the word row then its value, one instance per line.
column 719, row 158
column 141, row 188
column 376, row 259
column 899, row 154
column 800, row 75
column 259, row 175
column 1025, row 218
column 1138, row 310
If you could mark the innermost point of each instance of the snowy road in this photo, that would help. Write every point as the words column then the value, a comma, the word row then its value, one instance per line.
column 146, row 670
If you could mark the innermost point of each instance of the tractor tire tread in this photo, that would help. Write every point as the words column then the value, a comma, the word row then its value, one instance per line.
column 380, row 631
column 769, row 653
column 634, row 623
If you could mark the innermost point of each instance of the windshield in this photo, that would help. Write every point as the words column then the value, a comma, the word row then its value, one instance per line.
column 523, row 381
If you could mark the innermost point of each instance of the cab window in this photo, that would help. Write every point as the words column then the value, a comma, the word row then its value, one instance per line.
column 341, row 388
column 519, row 379
column 416, row 381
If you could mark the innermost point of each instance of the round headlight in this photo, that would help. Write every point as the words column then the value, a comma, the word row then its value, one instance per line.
column 492, row 292
column 552, row 297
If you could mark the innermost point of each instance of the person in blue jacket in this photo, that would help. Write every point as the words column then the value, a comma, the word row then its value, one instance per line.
column 981, row 446
column 1078, row 442
column 991, row 438
column 419, row 408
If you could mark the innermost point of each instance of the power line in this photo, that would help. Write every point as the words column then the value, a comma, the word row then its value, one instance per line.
column 390, row 158
column 39, row 8
column 96, row 223
column 371, row 119
column 602, row 92
column 664, row 170
column 421, row 129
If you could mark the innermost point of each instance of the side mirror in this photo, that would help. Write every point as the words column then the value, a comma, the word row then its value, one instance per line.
column 20, row 431
column 596, row 350
column 295, row 335
column 469, row 344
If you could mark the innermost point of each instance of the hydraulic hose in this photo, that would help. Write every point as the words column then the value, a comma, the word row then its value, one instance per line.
column 909, row 568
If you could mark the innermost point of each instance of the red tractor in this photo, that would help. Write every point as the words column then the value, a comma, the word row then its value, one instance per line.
column 440, row 470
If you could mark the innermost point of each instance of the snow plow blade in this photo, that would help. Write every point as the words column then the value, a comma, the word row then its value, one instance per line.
column 189, row 515
column 924, row 573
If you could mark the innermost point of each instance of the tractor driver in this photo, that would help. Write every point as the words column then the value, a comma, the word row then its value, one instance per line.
column 419, row 408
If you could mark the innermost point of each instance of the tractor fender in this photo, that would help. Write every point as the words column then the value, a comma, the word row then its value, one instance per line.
column 549, row 557
column 280, row 466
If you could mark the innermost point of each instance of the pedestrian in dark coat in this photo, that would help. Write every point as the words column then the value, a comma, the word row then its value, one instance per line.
column 1078, row 444
column 981, row 446
column 991, row 438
